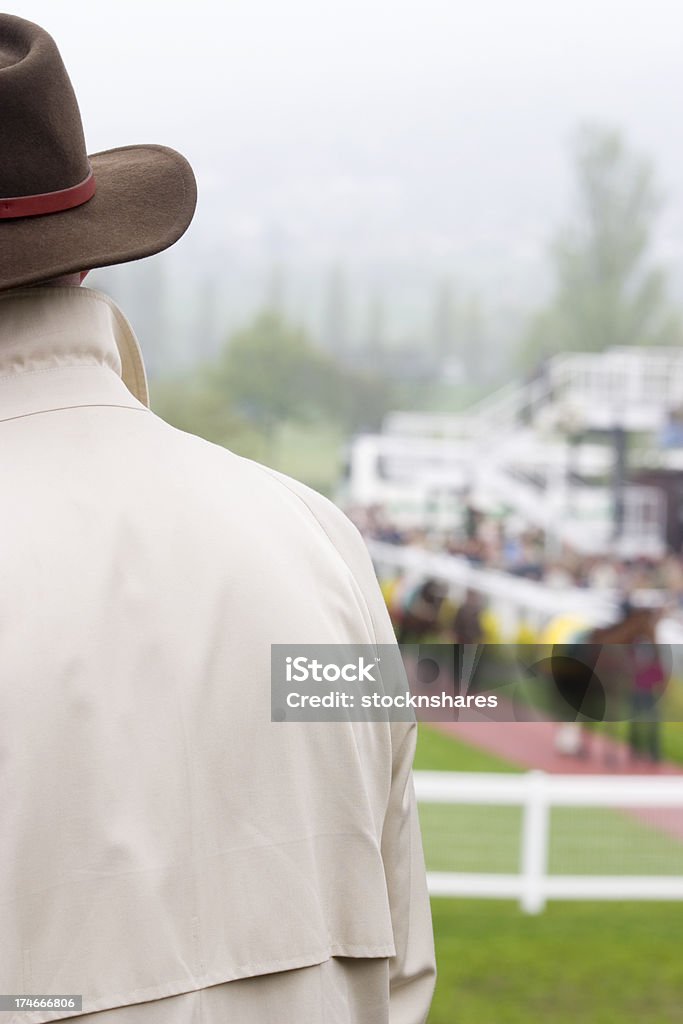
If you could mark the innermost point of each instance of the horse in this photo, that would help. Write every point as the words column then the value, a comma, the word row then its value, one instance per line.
column 595, row 674
column 417, row 614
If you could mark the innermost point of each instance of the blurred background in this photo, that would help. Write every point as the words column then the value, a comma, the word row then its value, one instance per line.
column 436, row 272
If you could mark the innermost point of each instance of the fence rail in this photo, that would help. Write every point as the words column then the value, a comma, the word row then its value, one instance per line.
column 537, row 793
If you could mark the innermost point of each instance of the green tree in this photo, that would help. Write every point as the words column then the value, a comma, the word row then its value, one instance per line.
column 271, row 373
column 270, row 376
column 608, row 291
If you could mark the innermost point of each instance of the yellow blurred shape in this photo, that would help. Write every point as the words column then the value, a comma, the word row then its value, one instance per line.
column 526, row 634
column 490, row 625
column 563, row 629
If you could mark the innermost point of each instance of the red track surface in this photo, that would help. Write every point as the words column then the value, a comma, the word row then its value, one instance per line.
column 531, row 745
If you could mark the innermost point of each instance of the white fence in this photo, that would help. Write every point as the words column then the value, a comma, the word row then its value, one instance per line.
column 537, row 793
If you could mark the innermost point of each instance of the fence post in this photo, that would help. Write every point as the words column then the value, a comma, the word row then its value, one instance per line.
column 534, row 852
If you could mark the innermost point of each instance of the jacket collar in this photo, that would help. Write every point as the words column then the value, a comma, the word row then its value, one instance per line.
column 66, row 347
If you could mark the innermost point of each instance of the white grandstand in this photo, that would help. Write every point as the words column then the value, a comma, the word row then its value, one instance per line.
column 560, row 451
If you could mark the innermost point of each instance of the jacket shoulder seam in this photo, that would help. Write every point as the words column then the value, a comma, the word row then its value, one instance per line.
column 283, row 483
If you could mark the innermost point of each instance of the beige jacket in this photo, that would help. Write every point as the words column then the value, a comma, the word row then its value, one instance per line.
column 159, row 834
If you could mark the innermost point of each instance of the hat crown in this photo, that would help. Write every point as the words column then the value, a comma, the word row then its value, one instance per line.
column 41, row 134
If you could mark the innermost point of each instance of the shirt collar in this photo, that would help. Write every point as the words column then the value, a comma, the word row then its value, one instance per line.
column 65, row 347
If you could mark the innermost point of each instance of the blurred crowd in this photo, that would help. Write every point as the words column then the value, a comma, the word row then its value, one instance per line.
column 506, row 544
column 424, row 609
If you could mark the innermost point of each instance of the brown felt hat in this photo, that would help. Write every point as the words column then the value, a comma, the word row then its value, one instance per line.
column 61, row 210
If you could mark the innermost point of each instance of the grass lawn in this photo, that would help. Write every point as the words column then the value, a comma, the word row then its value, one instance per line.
column 602, row 963
column 597, row 963
column 441, row 753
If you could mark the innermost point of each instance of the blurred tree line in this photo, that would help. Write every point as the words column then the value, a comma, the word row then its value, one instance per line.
column 268, row 375
column 272, row 385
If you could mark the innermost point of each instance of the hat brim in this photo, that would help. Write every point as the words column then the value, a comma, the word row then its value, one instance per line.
column 144, row 201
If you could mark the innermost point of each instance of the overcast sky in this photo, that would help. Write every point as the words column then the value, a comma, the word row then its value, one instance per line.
column 405, row 140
